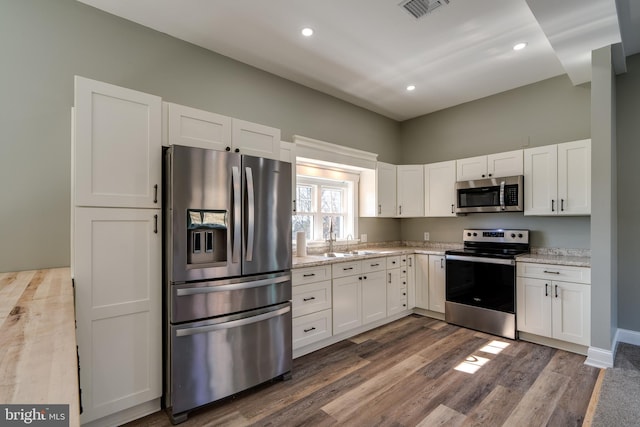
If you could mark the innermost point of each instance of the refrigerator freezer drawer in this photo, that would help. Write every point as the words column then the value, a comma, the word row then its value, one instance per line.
column 217, row 358
column 213, row 298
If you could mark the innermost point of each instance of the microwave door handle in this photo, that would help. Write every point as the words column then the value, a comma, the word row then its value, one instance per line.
column 235, row 246
column 502, row 196
column 250, row 214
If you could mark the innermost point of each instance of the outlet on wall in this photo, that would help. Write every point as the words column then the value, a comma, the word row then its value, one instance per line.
column 426, row 236
column 363, row 238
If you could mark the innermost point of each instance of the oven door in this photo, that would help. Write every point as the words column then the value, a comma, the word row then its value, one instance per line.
column 481, row 282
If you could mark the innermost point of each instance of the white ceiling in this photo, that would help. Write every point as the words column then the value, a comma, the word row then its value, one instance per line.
column 367, row 51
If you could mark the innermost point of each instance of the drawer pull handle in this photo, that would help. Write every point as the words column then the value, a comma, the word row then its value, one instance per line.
column 375, row 265
column 348, row 268
column 310, row 329
column 308, row 299
column 552, row 272
column 309, row 275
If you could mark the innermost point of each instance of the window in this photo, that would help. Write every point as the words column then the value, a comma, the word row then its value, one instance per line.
column 325, row 198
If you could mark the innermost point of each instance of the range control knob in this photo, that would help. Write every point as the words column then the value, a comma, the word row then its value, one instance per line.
column 513, row 235
column 468, row 234
column 520, row 235
column 475, row 234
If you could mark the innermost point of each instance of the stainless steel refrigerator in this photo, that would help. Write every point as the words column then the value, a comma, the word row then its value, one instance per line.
column 227, row 257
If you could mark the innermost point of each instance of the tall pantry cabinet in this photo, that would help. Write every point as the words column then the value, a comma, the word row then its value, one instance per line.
column 116, row 250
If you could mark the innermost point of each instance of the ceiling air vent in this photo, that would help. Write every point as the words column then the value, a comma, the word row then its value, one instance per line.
column 419, row 8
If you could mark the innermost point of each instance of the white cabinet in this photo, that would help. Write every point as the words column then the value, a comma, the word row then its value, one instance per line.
column 117, row 276
column 397, row 292
column 311, row 305
column 288, row 154
column 117, row 155
column 436, row 283
column 197, row 128
column 491, row 166
column 117, row 245
column 410, row 191
column 440, row 192
column 422, row 281
column 554, row 301
column 374, row 290
column 558, row 179
column 378, row 191
column 347, row 303
column 430, row 282
column 408, row 266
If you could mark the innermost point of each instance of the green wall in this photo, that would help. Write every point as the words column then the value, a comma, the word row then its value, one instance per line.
column 543, row 113
column 45, row 43
column 628, row 159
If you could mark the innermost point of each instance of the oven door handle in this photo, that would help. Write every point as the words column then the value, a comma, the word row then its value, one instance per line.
column 481, row 259
column 231, row 286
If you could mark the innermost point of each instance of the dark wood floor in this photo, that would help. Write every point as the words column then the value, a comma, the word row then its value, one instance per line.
column 415, row 371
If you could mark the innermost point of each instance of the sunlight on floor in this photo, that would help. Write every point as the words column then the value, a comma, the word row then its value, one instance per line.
column 473, row 362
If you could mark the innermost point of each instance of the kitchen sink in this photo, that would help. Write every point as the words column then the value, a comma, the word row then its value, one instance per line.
column 338, row 254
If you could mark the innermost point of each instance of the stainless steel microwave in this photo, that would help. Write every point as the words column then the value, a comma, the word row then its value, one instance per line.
column 490, row 195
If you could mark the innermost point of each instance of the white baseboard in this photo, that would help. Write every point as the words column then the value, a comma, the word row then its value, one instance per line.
column 627, row 336
column 602, row 358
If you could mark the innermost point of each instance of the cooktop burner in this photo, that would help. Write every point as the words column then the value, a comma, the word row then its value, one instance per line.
column 493, row 243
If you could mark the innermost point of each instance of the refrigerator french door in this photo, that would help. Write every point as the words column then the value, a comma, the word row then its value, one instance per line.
column 228, row 281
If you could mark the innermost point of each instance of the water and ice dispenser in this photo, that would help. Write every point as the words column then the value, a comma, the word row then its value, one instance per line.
column 207, row 233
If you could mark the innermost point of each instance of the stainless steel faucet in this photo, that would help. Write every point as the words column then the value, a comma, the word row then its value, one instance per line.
column 331, row 236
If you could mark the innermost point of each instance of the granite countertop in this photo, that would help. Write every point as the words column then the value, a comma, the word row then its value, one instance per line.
column 38, row 360
column 554, row 259
column 314, row 260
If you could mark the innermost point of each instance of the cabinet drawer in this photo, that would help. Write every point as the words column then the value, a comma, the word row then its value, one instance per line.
column 554, row 272
column 311, row 298
column 343, row 269
column 375, row 264
column 311, row 328
column 393, row 262
column 303, row 276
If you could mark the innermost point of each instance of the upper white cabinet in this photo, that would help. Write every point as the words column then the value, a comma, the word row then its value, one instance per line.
column 197, row 128
column 117, row 155
column 255, row 139
column 558, row 179
column 439, row 185
column 410, row 191
column 492, row 166
column 378, row 191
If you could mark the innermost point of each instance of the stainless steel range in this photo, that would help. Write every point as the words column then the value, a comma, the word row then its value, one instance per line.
column 481, row 280
column 227, row 282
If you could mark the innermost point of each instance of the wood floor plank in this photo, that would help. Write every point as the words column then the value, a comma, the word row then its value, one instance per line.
column 443, row 416
column 593, row 401
column 345, row 405
column 495, row 408
column 538, row 404
column 532, row 361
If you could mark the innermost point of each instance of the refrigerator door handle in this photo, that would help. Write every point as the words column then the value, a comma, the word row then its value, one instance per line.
column 250, row 214
column 233, row 323
column 237, row 203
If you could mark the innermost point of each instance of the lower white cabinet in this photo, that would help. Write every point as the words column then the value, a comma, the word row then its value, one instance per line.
column 436, row 283
column 347, row 303
column 430, row 282
column 397, row 285
column 551, row 304
column 116, row 263
column 311, row 305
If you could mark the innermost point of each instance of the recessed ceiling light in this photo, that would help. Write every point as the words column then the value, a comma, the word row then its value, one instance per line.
column 307, row 32
column 519, row 46
column 411, row 87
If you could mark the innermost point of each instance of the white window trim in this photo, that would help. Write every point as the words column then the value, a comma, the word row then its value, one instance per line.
column 333, row 173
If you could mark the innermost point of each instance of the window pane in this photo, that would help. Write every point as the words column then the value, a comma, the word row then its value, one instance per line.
column 338, row 226
column 302, row 223
column 331, row 200
column 305, row 198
